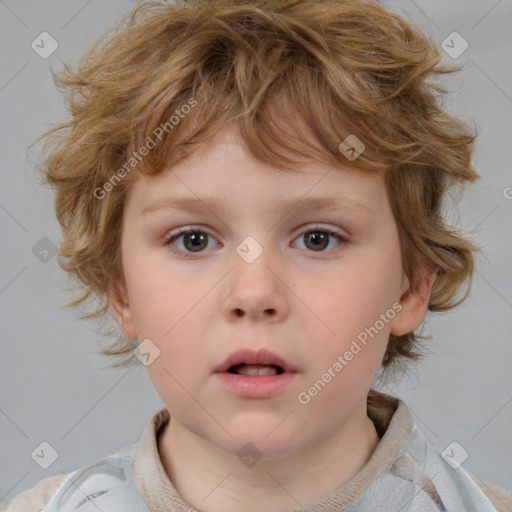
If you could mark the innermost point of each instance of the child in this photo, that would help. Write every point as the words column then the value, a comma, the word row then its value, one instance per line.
column 253, row 189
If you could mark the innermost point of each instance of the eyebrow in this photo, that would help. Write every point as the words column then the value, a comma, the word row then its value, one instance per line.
column 194, row 204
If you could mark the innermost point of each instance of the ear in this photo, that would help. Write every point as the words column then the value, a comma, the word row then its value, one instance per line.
column 414, row 300
column 121, row 311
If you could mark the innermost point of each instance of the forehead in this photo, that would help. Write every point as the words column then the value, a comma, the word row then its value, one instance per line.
column 223, row 171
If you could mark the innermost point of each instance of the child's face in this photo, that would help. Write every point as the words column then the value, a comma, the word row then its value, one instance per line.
column 306, row 297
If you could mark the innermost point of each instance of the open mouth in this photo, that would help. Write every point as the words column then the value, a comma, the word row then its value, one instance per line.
column 255, row 373
column 255, row 370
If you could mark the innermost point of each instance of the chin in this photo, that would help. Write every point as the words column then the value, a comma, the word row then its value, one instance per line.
column 256, row 443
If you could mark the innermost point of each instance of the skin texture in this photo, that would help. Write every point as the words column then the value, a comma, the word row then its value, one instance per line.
column 305, row 303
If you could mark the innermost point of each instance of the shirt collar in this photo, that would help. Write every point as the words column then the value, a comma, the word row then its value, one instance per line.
column 390, row 415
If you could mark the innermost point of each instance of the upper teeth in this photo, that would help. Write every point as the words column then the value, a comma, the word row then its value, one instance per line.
column 254, row 370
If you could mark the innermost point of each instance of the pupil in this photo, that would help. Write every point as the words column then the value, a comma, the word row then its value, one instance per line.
column 196, row 240
column 319, row 239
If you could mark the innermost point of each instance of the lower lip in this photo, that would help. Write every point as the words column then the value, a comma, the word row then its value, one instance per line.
column 262, row 386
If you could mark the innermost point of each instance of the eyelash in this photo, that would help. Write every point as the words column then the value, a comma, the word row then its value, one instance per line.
column 189, row 256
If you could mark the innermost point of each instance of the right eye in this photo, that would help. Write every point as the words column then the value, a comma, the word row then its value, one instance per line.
column 193, row 241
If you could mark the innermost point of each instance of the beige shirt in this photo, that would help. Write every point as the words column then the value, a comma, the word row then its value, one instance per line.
column 393, row 423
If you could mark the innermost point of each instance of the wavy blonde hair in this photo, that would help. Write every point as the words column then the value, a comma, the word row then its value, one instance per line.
column 293, row 76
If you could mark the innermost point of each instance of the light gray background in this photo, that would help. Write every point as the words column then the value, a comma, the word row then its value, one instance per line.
column 54, row 386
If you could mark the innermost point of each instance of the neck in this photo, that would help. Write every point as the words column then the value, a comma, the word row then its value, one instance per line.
column 213, row 480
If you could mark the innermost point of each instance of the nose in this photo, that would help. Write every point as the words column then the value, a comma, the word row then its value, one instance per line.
column 257, row 291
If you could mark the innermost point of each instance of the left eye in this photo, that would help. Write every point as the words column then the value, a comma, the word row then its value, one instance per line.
column 196, row 240
column 318, row 238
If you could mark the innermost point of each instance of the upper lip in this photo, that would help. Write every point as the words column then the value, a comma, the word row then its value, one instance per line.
column 248, row 356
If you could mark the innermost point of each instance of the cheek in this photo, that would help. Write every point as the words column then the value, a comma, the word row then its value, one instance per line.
column 168, row 309
column 180, row 367
column 353, row 314
column 158, row 298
